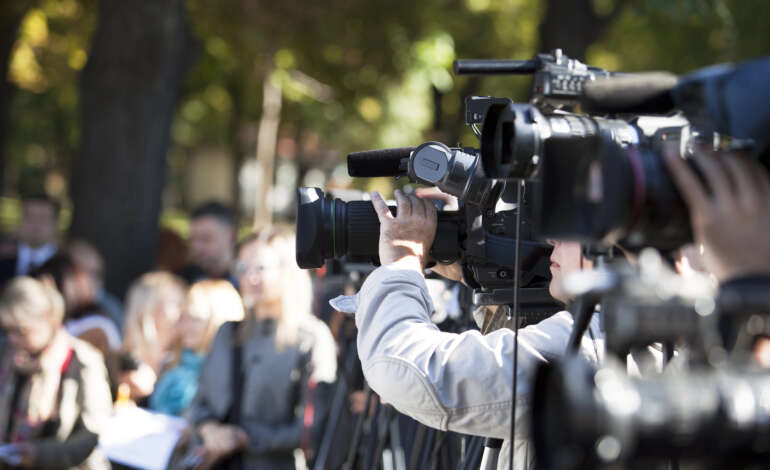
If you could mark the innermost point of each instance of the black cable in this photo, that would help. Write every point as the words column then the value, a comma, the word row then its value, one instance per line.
column 519, row 198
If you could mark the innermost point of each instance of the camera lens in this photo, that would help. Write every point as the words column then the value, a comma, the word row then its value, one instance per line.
column 640, row 205
column 584, row 416
column 615, row 189
column 329, row 228
column 514, row 135
column 332, row 228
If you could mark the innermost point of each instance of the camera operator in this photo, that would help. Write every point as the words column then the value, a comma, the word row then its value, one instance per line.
column 463, row 382
column 458, row 382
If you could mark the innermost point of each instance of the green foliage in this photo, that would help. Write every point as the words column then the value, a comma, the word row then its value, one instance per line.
column 49, row 53
column 355, row 74
column 683, row 36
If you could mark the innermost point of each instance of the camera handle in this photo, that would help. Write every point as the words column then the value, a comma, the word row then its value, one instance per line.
column 583, row 307
column 582, row 310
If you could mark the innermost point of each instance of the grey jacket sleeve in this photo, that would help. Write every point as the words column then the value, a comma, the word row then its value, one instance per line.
column 458, row 382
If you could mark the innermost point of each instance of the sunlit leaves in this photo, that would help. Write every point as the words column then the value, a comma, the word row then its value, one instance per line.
column 25, row 70
column 77, row 59
column 34, row 28
column 370, row 109
column 478, row 5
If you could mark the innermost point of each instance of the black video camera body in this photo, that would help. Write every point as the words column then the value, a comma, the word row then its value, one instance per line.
column 601, row 172
column 480, row 234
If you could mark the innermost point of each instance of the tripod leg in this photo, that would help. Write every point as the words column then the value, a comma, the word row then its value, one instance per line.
column 414, row 456
column 474, row 457
column 350, row 462
column 427, row 451
column 330, row 431
column 491, row 454
column 397, row 445
column 383, row 434
column 371, row 446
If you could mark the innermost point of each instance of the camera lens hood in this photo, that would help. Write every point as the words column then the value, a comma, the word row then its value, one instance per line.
column 311, row 236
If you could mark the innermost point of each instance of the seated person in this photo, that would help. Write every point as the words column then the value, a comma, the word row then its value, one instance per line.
column 209, row 304
column 89, row 259
column 83, row 317
column 260, row 373
column 153, row 307
column 54, row 393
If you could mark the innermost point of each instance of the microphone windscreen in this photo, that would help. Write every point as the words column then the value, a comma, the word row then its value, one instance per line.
column 384, row 162
column 642, row 93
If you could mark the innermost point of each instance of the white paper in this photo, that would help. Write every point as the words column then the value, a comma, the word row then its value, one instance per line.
column 140, row 438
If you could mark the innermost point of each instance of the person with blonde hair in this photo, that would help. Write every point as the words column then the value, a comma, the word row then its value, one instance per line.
column 209, row 304
column 260, row 373
column 54, row 390
column 153, row 307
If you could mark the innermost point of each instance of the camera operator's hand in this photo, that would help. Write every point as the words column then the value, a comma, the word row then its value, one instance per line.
column 407, row 237
column 453, row 271
column 733, row 222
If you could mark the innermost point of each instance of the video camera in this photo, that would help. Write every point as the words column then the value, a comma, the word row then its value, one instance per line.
column 602, row 175
column 480, row 234
column 603, row 181
column 707, row 410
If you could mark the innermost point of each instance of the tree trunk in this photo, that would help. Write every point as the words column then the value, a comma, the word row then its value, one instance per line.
column 267, row 138
column 9, row 28
column 129, row 90
column 573, row 25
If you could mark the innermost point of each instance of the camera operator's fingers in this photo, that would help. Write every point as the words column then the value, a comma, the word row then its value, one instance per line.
column 689, row 185
column 435, row 194
column 748, row 182
column 381, row 208
column 404, row 205
column 762, row 177
column 430, row 210
column 716, row 174
column 418, row 206
column 759, row 178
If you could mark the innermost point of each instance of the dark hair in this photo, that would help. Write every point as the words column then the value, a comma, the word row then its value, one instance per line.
column 214, row 209
column 44, row 198
column 58, row 267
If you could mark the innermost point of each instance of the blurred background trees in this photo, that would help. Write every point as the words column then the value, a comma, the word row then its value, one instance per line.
column 135, row 113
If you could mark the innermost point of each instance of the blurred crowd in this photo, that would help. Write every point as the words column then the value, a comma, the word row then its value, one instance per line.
column 222, row 334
